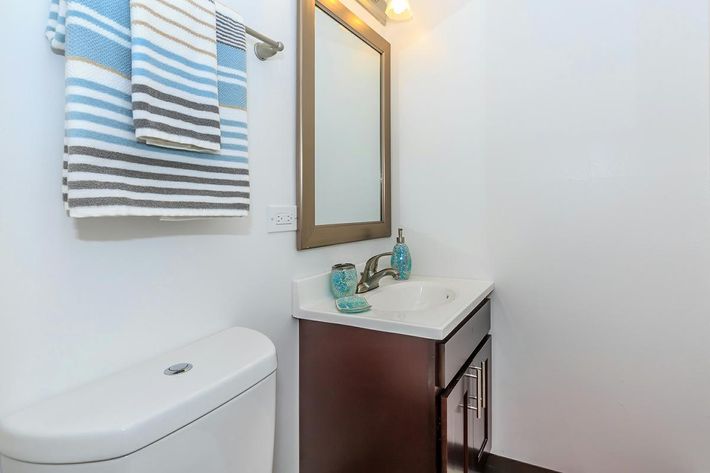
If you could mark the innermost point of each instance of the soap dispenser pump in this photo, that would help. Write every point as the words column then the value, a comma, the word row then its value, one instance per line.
column 401, row 257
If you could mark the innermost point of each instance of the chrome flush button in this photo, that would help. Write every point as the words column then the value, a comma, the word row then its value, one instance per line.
column 179, row 368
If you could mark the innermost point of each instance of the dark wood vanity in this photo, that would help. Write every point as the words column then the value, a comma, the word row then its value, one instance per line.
column 376, row 402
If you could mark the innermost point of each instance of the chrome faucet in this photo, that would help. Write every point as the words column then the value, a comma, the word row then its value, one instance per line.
column 370, row 278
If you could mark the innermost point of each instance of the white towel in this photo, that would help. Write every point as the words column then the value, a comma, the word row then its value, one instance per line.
column 107, row 172
column 174, row 80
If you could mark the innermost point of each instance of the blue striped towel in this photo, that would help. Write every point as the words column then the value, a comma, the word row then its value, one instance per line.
column 56, row 26
column 174, row 55
column 109, row 173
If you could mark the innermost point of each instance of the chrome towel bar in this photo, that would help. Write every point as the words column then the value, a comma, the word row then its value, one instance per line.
column 267, row 47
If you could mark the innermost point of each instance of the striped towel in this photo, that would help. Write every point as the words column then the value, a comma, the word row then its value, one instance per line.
column 107, row 172
column 174, row 55
column 56, row 26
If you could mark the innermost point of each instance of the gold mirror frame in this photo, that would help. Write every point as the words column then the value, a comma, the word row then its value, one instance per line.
column 311, row 235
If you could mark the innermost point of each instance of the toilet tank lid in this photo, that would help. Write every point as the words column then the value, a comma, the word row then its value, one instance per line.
column 124, row 412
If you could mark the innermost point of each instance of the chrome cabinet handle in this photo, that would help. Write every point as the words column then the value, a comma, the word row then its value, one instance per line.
column 479, row 377
column 484, row 375
column 468, row 406
column 479, row 393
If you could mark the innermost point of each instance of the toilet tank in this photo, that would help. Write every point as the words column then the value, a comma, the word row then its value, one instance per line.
column 215, row 415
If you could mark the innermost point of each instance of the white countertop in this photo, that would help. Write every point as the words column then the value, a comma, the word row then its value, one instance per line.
column 312, row 300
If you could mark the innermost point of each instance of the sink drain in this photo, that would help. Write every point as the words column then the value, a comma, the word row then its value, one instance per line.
column 179, row 368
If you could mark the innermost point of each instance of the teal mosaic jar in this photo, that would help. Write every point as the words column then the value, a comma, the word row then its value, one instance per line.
column 343, row 280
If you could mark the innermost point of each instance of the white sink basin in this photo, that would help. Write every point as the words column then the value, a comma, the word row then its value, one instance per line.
column 423, row 307
column 410, row 296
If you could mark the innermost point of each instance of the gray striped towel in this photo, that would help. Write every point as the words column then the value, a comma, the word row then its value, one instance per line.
column 174, row 74
column 107, row 172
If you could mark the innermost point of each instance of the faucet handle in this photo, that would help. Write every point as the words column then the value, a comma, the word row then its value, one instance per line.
column 371, row 265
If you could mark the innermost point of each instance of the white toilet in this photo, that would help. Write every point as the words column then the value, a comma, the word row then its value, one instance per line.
column 205, row 408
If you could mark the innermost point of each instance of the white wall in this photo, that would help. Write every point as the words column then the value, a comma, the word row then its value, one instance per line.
column 81, row 299
column 570, row 164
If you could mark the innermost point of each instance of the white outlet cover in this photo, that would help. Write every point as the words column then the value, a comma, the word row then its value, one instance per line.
column 282, row 218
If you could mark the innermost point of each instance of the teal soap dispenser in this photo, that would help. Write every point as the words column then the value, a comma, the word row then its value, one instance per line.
column 401, row 258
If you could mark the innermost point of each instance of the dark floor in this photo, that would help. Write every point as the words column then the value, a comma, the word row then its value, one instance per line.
column 497, row 464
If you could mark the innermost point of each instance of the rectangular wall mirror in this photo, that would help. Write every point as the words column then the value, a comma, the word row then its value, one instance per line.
column 344, row 127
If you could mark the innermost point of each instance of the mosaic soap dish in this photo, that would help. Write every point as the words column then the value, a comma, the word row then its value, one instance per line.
column 352, row 305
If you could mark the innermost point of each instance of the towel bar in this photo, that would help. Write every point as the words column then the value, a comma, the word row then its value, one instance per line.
column 267, row 48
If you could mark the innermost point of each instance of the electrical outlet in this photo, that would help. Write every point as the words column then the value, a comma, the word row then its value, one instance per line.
column 282, row 218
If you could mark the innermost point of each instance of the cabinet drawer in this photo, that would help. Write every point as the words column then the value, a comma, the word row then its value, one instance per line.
column 458, row 347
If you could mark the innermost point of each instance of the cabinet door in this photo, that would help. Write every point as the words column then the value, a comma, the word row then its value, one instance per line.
column 479, row 412
column 454, row 427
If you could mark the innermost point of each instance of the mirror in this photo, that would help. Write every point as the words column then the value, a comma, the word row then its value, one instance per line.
column 344, row 129
column 347, row 126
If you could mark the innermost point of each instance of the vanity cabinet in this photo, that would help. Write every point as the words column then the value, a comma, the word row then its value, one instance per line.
column 380, row 402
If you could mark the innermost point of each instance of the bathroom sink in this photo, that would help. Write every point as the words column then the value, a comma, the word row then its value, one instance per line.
column 410, row 296
column 425, row 307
